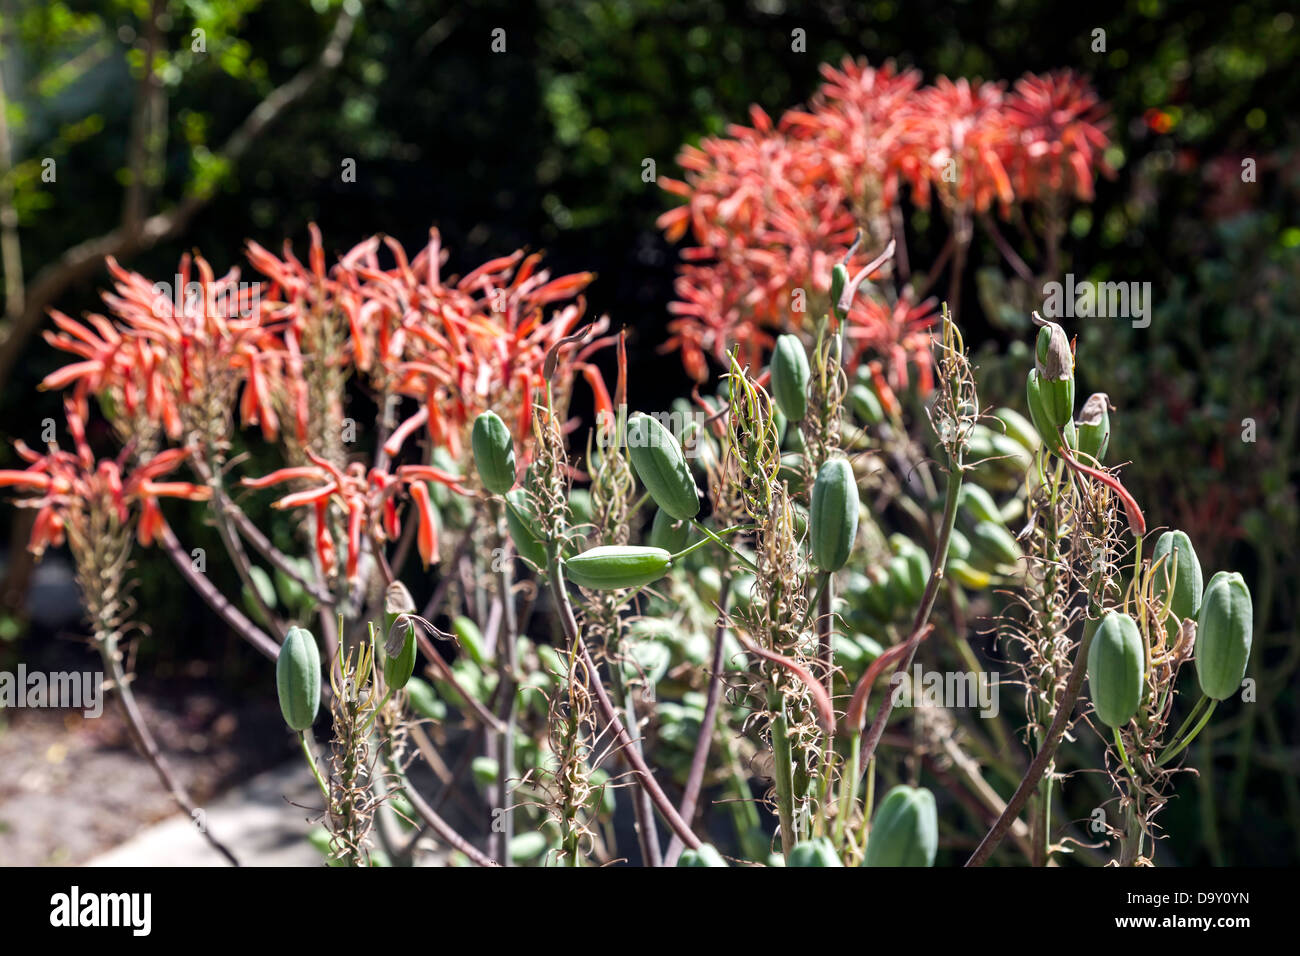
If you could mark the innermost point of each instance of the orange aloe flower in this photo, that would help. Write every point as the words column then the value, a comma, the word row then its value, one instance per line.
column 365, row 500
column 72, row 487
column 174, row 350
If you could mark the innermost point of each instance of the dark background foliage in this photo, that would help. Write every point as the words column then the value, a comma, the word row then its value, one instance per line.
column 544, row 146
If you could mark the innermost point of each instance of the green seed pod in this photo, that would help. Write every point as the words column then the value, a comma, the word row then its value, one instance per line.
column 265, row 590
column 580, row 505
column 706, row 855
column 527, row 846
column 1116, row 669
column 839, row 279
column 297, row 678
column 908, row 574
column 905, row 831
column 1010, row 458
column 399, row 654
column 470, row 639
column 525, row 529
column 494, row 453
column 290, row 589
column 657, row 459
column 918, row 572
column 1181, row 566
column 1224, row 630
column 484, row 771
column 992, row 541
column 1018, row 428
column 866, row 404
column 834, row 514
column 424, row 701
column 708, row 585
column 968, row 577
column 979, row 504
column 958, row 545
column 669, row 533
column 614, row 567
column 1093, row 426
column 780, row 423
column 397, row 601
column 791, row 472
column 1052, row 355
column 790, row 377
column 1051, row 406
column 815, row 852
column 878, row 597
column 1058, row 397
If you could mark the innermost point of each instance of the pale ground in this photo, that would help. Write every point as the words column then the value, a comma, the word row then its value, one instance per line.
column 255, row 820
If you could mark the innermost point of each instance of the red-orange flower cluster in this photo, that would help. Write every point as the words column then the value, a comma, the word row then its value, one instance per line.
column 771, row 207
column 71, row 486
column 456, row 346
column 170, row 343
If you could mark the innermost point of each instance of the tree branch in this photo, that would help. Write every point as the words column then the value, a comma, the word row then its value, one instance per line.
column 83, row 259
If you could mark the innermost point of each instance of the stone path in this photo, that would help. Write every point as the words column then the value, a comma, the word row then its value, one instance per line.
column 253, row 820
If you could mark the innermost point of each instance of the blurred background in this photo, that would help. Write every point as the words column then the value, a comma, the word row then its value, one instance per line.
column 259, row 104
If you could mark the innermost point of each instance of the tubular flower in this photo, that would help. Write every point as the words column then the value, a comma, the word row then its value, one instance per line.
column 358, row 503
column 280, row 350
column 771, row 207
column 460, row 346
column 955, row 140
column 175, row 353
column 72, row 491
column 853, row 118
column 1059, row 126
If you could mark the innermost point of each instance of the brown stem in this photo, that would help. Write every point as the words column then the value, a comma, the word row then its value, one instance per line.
column 148, row 746
column 704, row 740
column 1018, row 265
column 215, row 599
column 644, row 777
column 485, row 716
column 937, row 562
column 262, row 544
column 1061, row 720
column 83, row 259
column 444, row 830
column 507, row 665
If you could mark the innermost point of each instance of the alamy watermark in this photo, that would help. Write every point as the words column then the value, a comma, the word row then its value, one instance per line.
column 226, row 299
column 950, row 689
column 74, row 909
column 75, row 690
column 1102, row 300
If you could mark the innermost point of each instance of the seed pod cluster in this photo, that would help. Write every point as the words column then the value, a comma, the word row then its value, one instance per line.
column 1050, row 387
